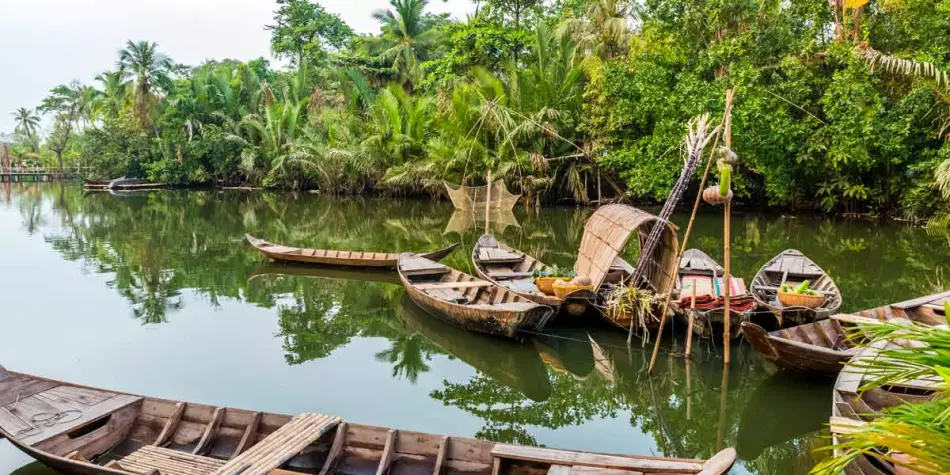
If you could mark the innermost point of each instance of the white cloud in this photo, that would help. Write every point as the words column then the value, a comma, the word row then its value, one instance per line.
column 51, row 42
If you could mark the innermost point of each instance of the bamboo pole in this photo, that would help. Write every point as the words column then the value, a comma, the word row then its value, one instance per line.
column 692, row 321
column 689, row 230
column 488, row 202
column 727, row 246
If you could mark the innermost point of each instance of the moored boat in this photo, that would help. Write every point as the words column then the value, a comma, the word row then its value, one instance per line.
column 79, row 430
column 855, row 402
column 122, row 184
column 791, row 267
column 329, row 257
column 514, row 270
column 463, row 300
column 701, row 292
column 823, row 347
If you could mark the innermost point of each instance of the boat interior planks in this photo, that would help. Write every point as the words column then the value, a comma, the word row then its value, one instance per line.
column 470, row 303
column 823, row 347
column 792, row 267
column 98, row 432
column 514, row 270
column 328, row 257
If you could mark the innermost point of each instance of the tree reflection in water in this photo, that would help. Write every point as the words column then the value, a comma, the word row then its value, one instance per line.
column 159, row 248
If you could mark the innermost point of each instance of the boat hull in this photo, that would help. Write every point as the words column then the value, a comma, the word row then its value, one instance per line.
column 324, row 257
column 793, row 355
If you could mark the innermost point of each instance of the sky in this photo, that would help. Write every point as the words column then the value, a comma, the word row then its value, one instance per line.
column 50, row 42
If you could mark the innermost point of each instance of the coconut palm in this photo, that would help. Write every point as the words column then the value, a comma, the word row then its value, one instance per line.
column 151, row 71
column 407, row 38
column 26, row 123
column 603, row 30
column 112, row 99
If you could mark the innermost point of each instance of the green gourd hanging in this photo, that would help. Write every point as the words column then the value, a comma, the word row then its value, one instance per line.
column 721, row 193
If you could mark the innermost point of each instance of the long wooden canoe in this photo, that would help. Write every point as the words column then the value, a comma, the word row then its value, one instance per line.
column 708, row 321
column 792, row 267
column 853, row 405
column 78, row 430
column 473, row 304
column 822, row 347
column 122, row 184
column 335, row 258
column 513, row 270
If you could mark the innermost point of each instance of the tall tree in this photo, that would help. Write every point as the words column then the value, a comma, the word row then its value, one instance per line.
column 514, row 10
column 26, row 123
column 603, row 30
column 305, row 29
column 408, row 37
column 111, row 100
column 67, row 102
column 151, row 71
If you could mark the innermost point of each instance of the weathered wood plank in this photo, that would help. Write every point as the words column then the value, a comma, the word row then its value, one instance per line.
column 455, row 285
column 12, row 424
column 560, row 470
column 22, row 388
column 440, row 458
column 248, row 438
column 170, row 425
column 388, row 450
column 207, row 438
column 90, row 414
column 544, row 455
column 333, row 456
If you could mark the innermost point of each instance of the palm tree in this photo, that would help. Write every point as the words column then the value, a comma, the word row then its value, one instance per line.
column 111, row 100
column 150, row 69
column 27, row 122
column 407, row 38
column 603, row 30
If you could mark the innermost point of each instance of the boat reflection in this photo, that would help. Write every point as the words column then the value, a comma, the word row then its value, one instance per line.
column 762, row 426
column 514, row 364
column 272, row 271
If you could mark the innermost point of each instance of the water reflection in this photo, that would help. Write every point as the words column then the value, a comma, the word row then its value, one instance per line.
column 581, row 380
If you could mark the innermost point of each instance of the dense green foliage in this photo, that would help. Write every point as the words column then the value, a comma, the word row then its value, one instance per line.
column 841, row 108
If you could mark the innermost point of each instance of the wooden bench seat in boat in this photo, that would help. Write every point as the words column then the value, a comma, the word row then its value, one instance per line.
column 168, row 462
column 280, row 446
column 505, row 275
column 498, row 256
column 418, row 266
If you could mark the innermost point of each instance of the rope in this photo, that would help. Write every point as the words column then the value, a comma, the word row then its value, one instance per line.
column 50, row 419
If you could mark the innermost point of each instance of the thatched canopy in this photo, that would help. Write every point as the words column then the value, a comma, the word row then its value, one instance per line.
column 606, row 234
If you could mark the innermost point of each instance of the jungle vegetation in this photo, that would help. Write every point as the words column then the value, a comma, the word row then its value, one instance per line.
column 842, row 106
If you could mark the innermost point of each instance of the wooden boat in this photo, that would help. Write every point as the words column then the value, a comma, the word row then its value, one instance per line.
column 78, row 430
column 513, row 270
column 122, row 184
column 853, row 405
column 792, row 267
column 822, row 347
column 335, row 258
column 709, row 317
column 473, row 304
column 276, row 270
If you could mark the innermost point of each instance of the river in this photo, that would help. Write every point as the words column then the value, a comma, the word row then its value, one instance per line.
column 157, row 293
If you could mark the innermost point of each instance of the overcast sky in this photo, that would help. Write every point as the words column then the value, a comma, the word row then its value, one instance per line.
column 44, row 43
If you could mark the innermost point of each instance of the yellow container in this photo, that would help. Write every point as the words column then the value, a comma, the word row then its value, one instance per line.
column 545, row 284
column 564, row 289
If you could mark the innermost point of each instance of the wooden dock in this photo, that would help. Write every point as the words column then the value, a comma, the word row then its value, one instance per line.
column 35, row 175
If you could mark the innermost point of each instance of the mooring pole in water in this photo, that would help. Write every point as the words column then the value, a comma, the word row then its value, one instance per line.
column 689, row 230
column 727, row 247
column 692, row 319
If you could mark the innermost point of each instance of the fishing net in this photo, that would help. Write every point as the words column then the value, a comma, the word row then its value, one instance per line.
column 474, row 198
column 461, row 221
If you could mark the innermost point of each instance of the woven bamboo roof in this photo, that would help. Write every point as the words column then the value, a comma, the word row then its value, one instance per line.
column 606, row 234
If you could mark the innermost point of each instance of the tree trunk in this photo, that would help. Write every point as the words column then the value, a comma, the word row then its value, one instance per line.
column 59, row 158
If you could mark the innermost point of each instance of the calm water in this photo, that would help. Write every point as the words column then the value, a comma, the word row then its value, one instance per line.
column 157, row 294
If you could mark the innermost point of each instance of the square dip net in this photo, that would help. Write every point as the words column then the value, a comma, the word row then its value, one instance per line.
column 474, row 198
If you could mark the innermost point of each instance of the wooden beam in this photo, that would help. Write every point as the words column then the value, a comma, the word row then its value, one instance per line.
column 207, row 439
column 169, row 430
column 388, row 450
column 568, row 457
column 248, row 438
column 75, row 455
column 496, row 466
column 440, row 459
column 335, row 450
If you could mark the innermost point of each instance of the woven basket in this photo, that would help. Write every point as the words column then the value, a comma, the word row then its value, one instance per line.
column 790, row 299
column 562, row 290
column 546, row 284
